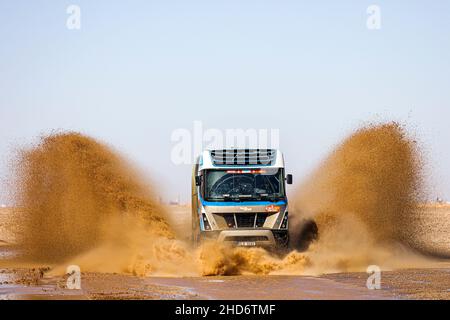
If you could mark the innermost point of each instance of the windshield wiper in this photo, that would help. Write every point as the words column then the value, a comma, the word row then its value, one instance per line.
column 214, row 199
column 228, row 197
column 270, row 197
column 240, row 197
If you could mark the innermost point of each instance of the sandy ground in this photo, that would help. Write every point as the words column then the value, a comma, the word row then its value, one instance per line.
column 6, row 235
column 33, row 283
column 432, row 229
column 430, row 283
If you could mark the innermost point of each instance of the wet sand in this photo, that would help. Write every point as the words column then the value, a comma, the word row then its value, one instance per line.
column 400, row 284
column 433, row 283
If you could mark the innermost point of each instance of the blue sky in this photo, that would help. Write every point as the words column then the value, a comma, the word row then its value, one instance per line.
column 137, row 70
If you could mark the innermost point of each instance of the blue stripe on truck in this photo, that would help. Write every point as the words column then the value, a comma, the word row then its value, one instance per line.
column 242, row 203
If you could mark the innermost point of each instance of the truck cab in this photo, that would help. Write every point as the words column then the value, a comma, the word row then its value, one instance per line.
column 239, row 197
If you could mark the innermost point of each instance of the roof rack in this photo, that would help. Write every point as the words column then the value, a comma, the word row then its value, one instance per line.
column 233, row 157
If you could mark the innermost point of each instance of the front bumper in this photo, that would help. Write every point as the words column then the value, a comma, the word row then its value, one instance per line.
column 268, row 238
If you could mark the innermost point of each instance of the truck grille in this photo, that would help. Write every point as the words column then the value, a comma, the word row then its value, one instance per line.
column 233, row 157
column 244, row 220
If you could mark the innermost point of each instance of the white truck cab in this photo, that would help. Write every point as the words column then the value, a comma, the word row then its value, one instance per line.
column 239, row 197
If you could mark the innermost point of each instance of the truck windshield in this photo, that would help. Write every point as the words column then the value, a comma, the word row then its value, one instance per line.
column 241, row 185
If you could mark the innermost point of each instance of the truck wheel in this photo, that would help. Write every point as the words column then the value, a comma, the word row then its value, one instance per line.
column 308, row 232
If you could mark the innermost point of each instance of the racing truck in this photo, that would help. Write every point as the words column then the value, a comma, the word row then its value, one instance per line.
column 239, row 197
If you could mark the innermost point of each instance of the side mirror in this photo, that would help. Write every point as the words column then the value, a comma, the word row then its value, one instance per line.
column 289, row 179
column 198, row 181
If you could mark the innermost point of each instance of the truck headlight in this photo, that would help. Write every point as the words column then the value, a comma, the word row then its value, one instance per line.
column 205, row 222
column 284, row 223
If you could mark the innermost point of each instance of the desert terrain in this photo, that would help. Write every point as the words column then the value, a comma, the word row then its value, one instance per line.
column 81, row 205
column 430, row 282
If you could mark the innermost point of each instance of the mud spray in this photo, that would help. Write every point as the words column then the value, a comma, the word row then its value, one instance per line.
column 361, row 198
column 81, row 204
